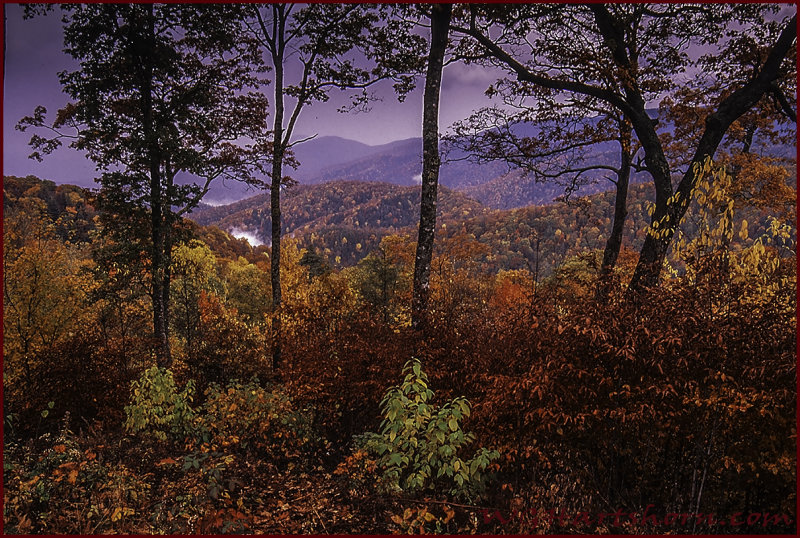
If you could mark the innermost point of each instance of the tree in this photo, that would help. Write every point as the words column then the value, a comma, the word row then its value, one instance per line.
column 44, row 289
column 323, row 40
column 552, row 142
column 440, row 16
column 247, row 290
column 317, row 264
column 377, row 281
column 643, row 48
column 194, row 271
column 162, row 90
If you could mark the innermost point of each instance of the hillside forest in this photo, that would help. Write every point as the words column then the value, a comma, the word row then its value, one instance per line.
column 571, row 312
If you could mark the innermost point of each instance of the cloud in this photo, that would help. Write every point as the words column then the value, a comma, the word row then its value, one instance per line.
column 417, row 178
column 250, row 237
column 472, row 75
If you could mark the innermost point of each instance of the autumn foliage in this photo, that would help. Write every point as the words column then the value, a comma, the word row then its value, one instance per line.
column 682, row 398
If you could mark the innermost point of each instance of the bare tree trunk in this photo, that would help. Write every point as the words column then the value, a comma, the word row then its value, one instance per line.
column 275, row 262
column 166, row 283
column 275, row 192
column 614, row 243
column 160, row 284
column 440, row 26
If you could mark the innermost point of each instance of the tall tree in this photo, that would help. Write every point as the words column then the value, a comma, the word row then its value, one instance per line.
column 161, row 90
column 644, row 49
column 440, row 16
column 566, row 143
column 319, row 46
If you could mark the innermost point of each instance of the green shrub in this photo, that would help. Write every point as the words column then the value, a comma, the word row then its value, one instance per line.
column 419, row 444
column 158, row 408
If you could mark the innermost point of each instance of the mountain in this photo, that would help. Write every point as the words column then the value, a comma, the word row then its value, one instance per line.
column 68, row 207
column 363, row 210
column 396, row 162
column 346, row 220
column 332, row 158
column 314, row 157
column 494, row 184
column 71, row 210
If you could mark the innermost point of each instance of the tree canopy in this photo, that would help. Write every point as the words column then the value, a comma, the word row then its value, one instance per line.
column 627, row 56
column 162, row 91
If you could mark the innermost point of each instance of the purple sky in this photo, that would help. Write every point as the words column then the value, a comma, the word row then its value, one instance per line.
column 33, row 57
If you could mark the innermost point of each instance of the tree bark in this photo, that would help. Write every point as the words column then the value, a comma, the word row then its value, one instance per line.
column 278, row 152
column 168, row 221
column 275, row 261
column 614, row 243
column 440, row 26
column 160, row 284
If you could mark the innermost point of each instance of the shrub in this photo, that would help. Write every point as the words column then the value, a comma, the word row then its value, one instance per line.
column 247, row 416
column 227, row 347
column 77, row 373
column 68, row 489
column 158, row 408
column 419, row 444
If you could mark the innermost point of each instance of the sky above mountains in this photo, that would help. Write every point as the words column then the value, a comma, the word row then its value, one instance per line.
column 34, row 56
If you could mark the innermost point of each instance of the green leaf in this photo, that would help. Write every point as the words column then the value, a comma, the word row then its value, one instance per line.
column 453, row 423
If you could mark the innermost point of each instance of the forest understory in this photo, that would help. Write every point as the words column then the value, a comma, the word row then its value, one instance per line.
column 590, row 328
column 548, row 396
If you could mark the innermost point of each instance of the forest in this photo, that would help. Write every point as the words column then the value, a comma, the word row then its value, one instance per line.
column 573, row 311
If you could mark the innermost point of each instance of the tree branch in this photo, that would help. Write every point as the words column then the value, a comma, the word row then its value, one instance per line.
column 736, row 104
column 526, row 75
column 783, row 103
